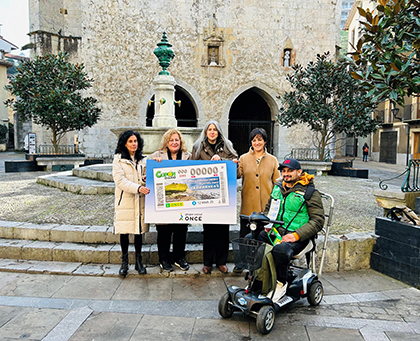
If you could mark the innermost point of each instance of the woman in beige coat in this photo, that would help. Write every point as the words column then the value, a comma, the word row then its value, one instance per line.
column 172, row 147
column 128, row 171
column 259, row 172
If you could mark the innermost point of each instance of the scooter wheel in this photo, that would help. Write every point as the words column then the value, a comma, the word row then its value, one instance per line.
column 316, row 292
column 265, row 319
column 225, row 308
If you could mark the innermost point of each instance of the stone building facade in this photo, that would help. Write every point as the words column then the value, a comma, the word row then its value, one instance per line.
column 231, row 58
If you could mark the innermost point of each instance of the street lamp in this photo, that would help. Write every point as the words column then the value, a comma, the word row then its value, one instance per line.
column 395, row 113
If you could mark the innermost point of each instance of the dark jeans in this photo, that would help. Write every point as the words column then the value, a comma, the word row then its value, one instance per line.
column 124, row 241
column 179, row 234
column 215, row 244
column 283, row 254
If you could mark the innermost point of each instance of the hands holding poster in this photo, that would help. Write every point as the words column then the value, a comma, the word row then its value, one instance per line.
column 187, row 191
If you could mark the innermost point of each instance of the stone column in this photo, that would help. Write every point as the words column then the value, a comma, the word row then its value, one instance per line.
column 164, row 87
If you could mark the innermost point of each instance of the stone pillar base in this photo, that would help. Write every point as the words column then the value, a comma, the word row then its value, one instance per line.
column 164, row 122
column 389, row 198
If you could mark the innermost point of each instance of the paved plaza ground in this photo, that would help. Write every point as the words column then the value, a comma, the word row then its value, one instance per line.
column 363, row 305
column 360, row 305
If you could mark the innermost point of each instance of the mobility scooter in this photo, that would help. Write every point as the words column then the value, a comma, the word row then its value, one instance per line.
column 249, row 255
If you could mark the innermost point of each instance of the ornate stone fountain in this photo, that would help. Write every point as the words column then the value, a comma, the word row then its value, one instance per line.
column 164, row 91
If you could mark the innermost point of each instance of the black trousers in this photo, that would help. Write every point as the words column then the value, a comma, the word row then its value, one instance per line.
column 244, row 227
column 124, row 241
column 179, row 234
column 283, row 254
column 215, row 244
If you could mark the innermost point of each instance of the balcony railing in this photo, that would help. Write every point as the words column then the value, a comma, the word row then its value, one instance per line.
column 411, row 181
column 67, row 150
column 308, row 154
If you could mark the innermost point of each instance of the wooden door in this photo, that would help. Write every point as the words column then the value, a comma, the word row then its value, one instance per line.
column 416, row 148
column 388, row 149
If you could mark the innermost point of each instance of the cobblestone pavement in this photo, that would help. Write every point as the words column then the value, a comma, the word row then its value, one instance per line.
column 362, row 305
column 22, row 199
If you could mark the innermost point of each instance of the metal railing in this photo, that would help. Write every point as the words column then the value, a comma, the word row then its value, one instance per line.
column 308, row 154
column 411, row 181
column 68, row 150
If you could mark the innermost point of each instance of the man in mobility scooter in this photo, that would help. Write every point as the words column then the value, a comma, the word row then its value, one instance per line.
column 293, row 216
column 299, row 206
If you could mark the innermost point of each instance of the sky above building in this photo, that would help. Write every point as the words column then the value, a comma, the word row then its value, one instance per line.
column 14, row 21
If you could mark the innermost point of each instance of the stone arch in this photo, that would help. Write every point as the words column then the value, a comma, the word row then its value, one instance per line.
column 187, row 92
column 268, row 99
column 195, row 99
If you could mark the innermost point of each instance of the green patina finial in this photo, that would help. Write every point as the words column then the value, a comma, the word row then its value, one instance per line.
column 164, row 53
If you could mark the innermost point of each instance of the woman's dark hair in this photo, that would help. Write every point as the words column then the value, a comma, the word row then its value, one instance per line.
column 122, row 149
column 258, row 131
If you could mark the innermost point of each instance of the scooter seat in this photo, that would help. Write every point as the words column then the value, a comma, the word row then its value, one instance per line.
column 307, row 249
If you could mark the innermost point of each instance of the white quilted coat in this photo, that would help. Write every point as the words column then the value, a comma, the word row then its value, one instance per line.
column 129, row 204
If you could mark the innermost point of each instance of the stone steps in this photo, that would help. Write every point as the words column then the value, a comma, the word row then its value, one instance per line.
column 102, row 172
column 85, row 253
column 93, row 179
column 98, row 245
column 85, row 244
column 87, row 234
column 105, row 270
column 67, row 181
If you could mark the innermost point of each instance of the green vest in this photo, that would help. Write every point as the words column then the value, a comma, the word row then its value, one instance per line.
column 289, row 208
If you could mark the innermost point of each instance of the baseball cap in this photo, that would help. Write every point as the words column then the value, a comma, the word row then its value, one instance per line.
column 290, row 163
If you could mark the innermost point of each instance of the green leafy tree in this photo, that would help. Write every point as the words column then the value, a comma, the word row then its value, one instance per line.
column 48, row 91
column 387, row 56
column 328, row 100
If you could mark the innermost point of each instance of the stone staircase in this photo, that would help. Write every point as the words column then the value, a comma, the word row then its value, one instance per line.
column 94, row 250
column 85, row 244
column 94, row 179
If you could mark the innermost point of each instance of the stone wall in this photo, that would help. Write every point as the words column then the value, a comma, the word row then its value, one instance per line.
column 118, row 39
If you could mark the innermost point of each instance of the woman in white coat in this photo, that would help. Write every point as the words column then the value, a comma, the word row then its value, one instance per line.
column 172, row 147
column 128, row 171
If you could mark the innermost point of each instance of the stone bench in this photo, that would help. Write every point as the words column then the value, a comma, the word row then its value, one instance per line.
column 317, row 167
column 49, row 162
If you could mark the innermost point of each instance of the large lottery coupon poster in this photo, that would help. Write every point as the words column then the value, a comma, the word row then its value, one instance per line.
column 191, row 192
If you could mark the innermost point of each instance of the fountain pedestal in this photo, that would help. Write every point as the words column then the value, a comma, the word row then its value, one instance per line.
column 164, row 87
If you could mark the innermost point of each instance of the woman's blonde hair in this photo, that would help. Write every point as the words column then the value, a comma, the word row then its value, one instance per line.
column 167, row 136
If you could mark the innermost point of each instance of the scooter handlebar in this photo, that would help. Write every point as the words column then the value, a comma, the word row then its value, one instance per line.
column 261, row 218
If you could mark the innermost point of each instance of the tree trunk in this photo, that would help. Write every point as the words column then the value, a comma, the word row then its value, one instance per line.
column 54, row 141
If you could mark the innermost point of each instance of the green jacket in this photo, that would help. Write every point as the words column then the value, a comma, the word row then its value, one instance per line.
column 309, row 220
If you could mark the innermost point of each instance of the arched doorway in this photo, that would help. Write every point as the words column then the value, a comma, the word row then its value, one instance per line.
column 249, row 110
column 186, row 114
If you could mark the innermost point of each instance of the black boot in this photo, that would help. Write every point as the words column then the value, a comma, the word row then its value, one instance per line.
column 139, row 265
column 124, row 265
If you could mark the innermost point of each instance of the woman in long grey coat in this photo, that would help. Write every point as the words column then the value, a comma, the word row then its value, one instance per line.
column 128, row 171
